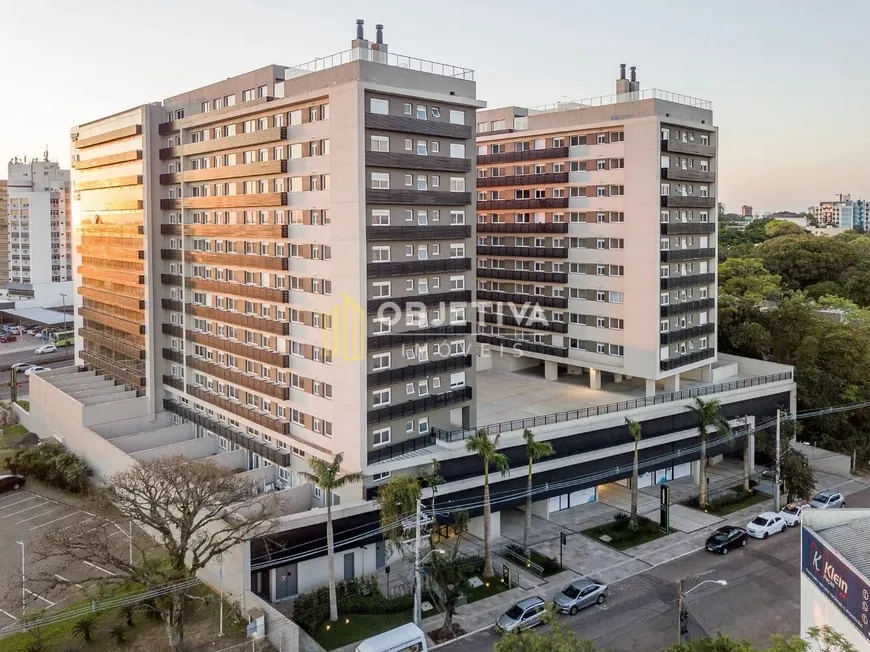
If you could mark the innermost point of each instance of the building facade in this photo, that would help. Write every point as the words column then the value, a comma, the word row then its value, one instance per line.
column 746, row 210
column 4, row 233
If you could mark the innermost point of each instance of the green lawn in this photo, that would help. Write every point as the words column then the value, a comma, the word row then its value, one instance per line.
column 489, row 588
column 621, row 537
column 351, row 628
column 721, row 510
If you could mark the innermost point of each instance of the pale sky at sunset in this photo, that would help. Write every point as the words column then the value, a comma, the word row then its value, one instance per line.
column 788, row 78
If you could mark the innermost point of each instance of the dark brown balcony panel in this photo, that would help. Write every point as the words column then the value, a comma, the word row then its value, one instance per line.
column 416, row 162
column 102, row 339
column 172, row 304
column 240, row 410
column 522, row 299
column 390, row 233
column 114, row 182
column 671, row 255
column 120, row 205
column 523, row 252
column 113, row 275
column 424, row 370
column 414, row 126
column 253, row 231
column 687, row 281
column 381, row 270
column 170, row 127
column 111, row 253
column 112, row 368
column 249, row 261
column 522, row 204
column 677, row 201
column 263, row 168
column 381, row 342
column 677, row 228
column 170, row 254
column 522, row 275
column 173, row 355
column 172, row 381
column 683, row 360
column 446, row 298
column 679, row 174
column 131, row 303
column 686, row 307
column 170, row 279
column 519, row 345
column 686, row 334
column 534, row 324
column 272, row 358
column 112, row 322
column 172, row 329
column 257, row 384
column 522, row 227
column 111, row 159
column 227, row 201
column 417, row 197
column 238, row 319
column 679, row 147
column 102, row 229
column 261, row 137
column 108, row 137
column 523, row 180
column 408, row 408
column 274, row 295
column 528, row 155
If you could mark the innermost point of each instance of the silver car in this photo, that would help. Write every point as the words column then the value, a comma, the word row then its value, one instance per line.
column 523, row 615
column 827, row 500
column 580, row 594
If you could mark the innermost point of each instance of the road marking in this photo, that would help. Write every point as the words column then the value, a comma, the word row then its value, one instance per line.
column 36, row 527
column 107, row 572
column 74, row 524
column 32, row 518
column 8, row 614
column 63, row 579
column 19, row 502
column 39, row 597
column 26, row 509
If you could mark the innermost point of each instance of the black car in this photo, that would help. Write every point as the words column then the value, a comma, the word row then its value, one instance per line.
column 11, row 482
column 726, row 538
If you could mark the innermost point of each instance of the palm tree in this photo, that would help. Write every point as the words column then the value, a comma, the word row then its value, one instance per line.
column 709, row 418
column 487, row 448
column 327, row 476
column 535, row 450
column 634, row 430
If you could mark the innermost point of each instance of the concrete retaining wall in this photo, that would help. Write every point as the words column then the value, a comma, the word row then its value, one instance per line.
column 281, row 632
column 825, row 460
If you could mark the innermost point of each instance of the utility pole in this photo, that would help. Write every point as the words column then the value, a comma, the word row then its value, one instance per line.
column 23, row 590
column 221, row 573
column 680, row 614
column 418, row 584
column 131, row 542
column 776, row 496
column 63, row 310
column 13, row 387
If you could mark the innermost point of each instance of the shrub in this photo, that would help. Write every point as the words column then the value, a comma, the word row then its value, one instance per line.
column 52, row 463
column 355, row 596
column 37, row 645
column 118, row 633
column 722, row 499
column 549, row 566
column 85, row 627
column 620, row 516
column 127, row 613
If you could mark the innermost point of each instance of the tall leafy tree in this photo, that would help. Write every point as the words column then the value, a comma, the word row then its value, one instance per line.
column 535, row 450
column 709, row 419
column 481, row 444
column 634, row 429
column 328, row 476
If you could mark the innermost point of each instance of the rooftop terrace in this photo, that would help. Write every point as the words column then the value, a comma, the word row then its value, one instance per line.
column 636, row 96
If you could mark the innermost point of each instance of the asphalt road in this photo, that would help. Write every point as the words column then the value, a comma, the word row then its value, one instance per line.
column 63, row 358
column 762, row 598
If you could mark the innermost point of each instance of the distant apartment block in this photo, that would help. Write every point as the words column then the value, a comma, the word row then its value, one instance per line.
column 843, row 213
column 4, row 233
column 746, row 211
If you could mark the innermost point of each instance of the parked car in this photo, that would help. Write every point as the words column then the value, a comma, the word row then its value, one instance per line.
column 523, row 615
column 21, row 366
column 31, row 331
column 8, row 338
column 11, row 482
column 765, row 524
column 791, row 513
column 35, row 369
column 828, row 500
column 46, row 348
column 580, row 594
column 726, row 538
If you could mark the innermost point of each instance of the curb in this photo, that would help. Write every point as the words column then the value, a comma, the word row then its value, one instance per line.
column 459, row 638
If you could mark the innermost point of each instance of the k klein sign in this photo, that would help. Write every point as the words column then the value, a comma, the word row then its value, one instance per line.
column 848, row 590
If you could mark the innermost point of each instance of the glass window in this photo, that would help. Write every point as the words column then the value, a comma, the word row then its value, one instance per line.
column 381, row 107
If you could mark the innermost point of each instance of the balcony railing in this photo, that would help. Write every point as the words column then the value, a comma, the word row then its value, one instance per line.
column 417, row 197
column 404, row 268
column 672, row 255
column 389, row 341
column 384, row 453
column 171, row 279
column 680, row 201
column 527, row 322
column 522, row 227
column 240, row 409
column 679, row 147
column 527, row 155
column 522, row 252
column 687, row 306
column 415, row 162
column 266, row 356
column 677, row 228
column 523, row 180
column 683, row 360
column 261, row 385
column 114, row 368
column 275, row 295
column 522, row 204
column 686, row 281
column 404, row 374
column 248, row 231
column 519, row 298
column 174, row 382
column 522, row 275
column 173, row 355
column 460, row 296
column 408, row 125
column 409, row 408
column 253, row 322
column 522, row 345
column 106, row 340
column 679, row 174
column 686, row 334
column 392, row 233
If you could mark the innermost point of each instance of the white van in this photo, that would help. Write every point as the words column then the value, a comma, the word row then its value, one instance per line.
column 407, row 638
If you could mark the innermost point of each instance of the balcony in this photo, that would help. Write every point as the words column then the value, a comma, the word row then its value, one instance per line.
column 417, row 197
column 417, row 162
column 174, row 382
column 687, row 281
column 522, row 275
column 414, row 126
column 274, row 295
column 266, row 356
column 389, row 341
column 517, row 298
column 404, row 374
column 520, row 345
column 263, row 168
column 172, row 329
column 248, row 261
column 240, row 410
column 680, row 147
column 678, row 228
column 680, row 201
column 522, row 204
column 528, row 155
column 117, row 323
column 173, row 355
column 252, row 322
column 686, row 334
column 114, row 182
column 409, row 408
column 686, row 307
column 170, row 254
column 383, row 453
column 523, row 180
column 381, row 270
column 112, row 299
column 121, row 346
column 170, row 279
column 248, row 381
column 672, row 255
column 113, row 368
column 111, row 159
column 107, row 136
column 401, row 233
column 172, row 304
column 249, row 231
column 679, row 174
column 254, row 200
column 522, row 252
column 683, row 360
column 526, row 322
column 261, row 137
column 461, row 296
column 111, row 253
column 522, row 227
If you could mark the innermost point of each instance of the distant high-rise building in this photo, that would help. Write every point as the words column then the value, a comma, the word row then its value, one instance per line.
column 746, row 211
column 721, row 208
column 4, row 234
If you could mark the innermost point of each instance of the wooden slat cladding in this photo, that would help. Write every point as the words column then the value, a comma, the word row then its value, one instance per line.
column 275, row 295
column 115, row 253
column 414, row 162
column 414, row 126
column 238, row 260
column 679, row 174
column 109, row 342
column 121, row 301
column 259, row 231
column 238, row 377
column 252, row 322
column 114, row 182
column 679, row 147
column 240, row 409
column 113, row 322
column 523, row 180
column 226, row 172
column 111, row 159
column 418, row 197
column 91, row 228
column 101, row 363
column 232, row 142
column 266, row 199
column 272, row 358
column 107, row 137
column 224, row 115
column 127, row 278
column 525, row 155
column 120, row 205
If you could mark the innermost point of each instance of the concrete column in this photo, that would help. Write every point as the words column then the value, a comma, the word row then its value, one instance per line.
column 672, row 383
column 475, row 526
column 707, row 373
column 650, row 388
column 551, row 370
column 540, row 508
column 617, row 378
column 696, row 471
column 594, row 378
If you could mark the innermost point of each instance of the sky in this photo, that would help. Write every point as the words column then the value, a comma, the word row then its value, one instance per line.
column 787, row 78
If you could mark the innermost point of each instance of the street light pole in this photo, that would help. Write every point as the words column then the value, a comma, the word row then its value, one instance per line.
column 776, row 496
column 680, row 614
column 418, row 588
column 23, row 589
column 681, row 599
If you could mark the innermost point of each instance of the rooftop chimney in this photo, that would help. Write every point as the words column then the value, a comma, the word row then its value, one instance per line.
column 622, row 71
column 622, row 86
column 633, row 73
column 379, row 48
column 634, row 85
column 360, row 46
column 379, row 33
column 360, row 34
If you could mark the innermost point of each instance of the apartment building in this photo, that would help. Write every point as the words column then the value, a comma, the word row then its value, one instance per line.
column 596, row 235
column 39, row 229
column 4, row 233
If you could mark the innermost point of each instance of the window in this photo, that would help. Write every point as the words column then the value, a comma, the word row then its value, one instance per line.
column 409, row 144
column 408, row 108
column 381, row 254
column 383, row 475
column 457, row 150
column 380, row 290
column 457, row 184
column 422, row 148
column 423, row 425
column 436, row 112
column 381, row 180
column 615, row 297
column 665, row 299
column 421, row 112
column 381, row 436
column 381, row 397
column 381, row 217
column 381, row 107
column 380, row 144
column 457, row 283
column 422, row 182
column 457, row 117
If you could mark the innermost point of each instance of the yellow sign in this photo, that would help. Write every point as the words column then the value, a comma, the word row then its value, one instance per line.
column 347, row 339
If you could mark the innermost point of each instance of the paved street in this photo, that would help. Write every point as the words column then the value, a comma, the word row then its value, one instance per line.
column 24, row 352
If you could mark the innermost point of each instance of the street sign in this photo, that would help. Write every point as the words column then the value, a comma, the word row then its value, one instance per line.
column 665, row 508
column 506, row 574
column 564, row 539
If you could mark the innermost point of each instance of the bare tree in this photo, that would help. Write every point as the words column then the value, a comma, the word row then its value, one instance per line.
column 194, row 510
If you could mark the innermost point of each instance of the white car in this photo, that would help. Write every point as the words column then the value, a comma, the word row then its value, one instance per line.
column 765, row 524
column 791, row 513
column 21, row 366
column 35, row 370
column 46, row 348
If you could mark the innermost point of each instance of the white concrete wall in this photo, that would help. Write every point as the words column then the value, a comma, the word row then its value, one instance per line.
column 281, row 632
column 117, row 411
column 817, row 610
column 825, row 460
column 313, row 573
column 191, row 449
column 154, row 438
